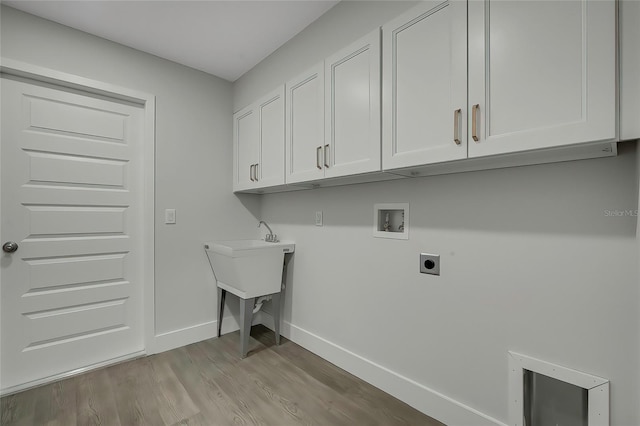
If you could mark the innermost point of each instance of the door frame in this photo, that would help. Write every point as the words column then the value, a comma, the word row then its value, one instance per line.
column 11, row 67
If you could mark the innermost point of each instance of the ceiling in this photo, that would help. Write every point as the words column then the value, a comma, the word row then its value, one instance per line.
column 223, row 38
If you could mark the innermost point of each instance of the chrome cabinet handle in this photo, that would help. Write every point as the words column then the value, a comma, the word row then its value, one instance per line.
column 474, row 122
column 251, row 173
column 326, row 151
column 456, row 126
column 255, row 171
column 318, row 158
column 9, row 247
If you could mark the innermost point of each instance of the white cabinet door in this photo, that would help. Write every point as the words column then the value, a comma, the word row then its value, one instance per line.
column 352, row 108
column 246, row 150
column 541, row 74
column 258, row 143
column 425, row 85
column 305, row 126
column 270, row 168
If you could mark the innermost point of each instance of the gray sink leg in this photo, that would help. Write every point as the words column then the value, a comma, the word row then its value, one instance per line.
column 275, row 300
column 246, row 315
column 221, row 296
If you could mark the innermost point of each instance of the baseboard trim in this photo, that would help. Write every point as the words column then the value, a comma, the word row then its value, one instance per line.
column 195, row 333
column 68, row 374
column 183, row 337
column 420, row 397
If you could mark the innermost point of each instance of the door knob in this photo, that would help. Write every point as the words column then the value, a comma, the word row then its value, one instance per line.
column 9, row 247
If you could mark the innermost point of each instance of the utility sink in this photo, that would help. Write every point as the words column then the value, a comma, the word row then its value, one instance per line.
column 248, row 268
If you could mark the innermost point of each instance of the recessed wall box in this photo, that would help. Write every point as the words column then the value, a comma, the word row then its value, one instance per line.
column 391, row 220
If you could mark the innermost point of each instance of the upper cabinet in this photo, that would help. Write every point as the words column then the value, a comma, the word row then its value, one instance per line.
column 246, row 150
column 425, row 85
column 448, row 86
column 333, row 115
column 541, row 74
column 305, row 126
column 258, row 143
column 352, row 108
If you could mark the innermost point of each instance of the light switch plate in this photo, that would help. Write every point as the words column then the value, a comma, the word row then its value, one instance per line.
column 319, row 218
column 170, row 216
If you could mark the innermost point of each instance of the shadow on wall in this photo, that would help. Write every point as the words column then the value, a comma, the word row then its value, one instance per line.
column 589, row 197
column 252, row 203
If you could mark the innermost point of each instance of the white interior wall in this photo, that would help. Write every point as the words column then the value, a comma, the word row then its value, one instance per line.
column 531, row 260
column 193, row 157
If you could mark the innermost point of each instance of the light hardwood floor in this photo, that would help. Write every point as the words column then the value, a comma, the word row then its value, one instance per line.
column 208, row 384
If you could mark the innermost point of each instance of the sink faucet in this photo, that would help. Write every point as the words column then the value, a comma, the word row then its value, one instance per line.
column 270, row 237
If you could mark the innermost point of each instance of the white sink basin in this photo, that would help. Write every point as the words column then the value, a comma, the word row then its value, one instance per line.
column 248, row 268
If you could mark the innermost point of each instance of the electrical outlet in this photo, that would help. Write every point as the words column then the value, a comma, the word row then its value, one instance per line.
column 170, row 216
column 430, row 264
column 319, row 218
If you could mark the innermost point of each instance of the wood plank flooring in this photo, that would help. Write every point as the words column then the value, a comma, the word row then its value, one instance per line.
column 207, row 384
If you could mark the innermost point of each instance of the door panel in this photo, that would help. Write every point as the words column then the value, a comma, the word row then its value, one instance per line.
column 352, row 128
column 245, row 135
column 271, row 167
column 44, row 327
column 53, row 220
column 71, row 183
column 542, row 74
column 49, row 273
column 305, row 126
column 49, row 114
column 348, row 114
column 519, row 44
column 425, row 82
column 57, row 168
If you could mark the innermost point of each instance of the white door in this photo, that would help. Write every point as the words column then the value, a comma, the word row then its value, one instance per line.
column 425, row 85
column 305, row 126
column 271, row 167
column 541, row 74
column 352, row 108
column 246, row 148
column 71, row 294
